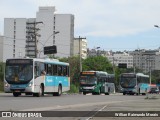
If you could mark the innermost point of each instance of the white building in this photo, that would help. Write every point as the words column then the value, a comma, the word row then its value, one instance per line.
column 121, row 58
column 20, row 34
column 14, row 38
column 62, row 24
column 96, row 52
column 80, row 45
column 146, row 59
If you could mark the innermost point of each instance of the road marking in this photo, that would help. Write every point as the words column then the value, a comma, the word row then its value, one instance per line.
column 74, row 105
column 96, row 112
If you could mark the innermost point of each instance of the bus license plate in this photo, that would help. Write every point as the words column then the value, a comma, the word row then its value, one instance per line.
column 17, row 91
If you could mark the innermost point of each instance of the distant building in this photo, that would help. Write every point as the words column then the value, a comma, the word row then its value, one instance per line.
column 146, row 59
column 47, row 29
column 122, row 57
column 82, row 48
column 96, row 52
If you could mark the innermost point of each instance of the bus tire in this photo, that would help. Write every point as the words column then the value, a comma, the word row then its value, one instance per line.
column 106, row 93
column 99, row 92
column 84, row 93
column 59, row 90
column 16, row 94
column 34, row 94
column 124, row 93
column 41, row 91
column 138, row 92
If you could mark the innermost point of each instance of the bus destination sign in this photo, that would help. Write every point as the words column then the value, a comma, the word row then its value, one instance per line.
column 88, row 73
column 128, row 75
column 19, row 61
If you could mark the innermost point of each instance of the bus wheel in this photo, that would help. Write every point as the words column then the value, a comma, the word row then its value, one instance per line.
column 99, row 92
column 59, row 90
column 41, row 91
column 84, row 93
column 138, row 92
column 106, row 93
column 124, row 93
column 15, row 94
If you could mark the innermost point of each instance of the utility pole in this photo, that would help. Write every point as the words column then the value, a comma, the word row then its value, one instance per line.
column 150, row 59
column 80, row 57
column 35, row 34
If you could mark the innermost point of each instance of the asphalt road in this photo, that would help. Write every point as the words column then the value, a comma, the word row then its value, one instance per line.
column 88, row 103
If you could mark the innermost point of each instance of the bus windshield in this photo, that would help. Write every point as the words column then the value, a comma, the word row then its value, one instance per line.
column 18, row 73
column 88, row 80
column 128, row 82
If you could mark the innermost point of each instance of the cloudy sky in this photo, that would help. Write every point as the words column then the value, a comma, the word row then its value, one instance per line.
column 108, row 24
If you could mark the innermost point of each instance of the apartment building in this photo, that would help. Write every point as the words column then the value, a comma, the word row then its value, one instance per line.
column 14, row 38
column 28, row 36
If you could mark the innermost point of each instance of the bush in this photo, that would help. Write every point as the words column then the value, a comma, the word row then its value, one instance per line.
column 1, row 82
column 73, row 89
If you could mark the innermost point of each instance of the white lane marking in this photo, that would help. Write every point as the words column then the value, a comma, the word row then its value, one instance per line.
column 74, row 105
column 96, row 112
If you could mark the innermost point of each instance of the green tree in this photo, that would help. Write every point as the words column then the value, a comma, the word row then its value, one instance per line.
column 1, row 75
column 155, row 77
column 97, row 63
column 74, row 71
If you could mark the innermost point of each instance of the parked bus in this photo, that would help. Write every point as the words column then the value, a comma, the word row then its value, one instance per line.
column 96, row 82
column 36, row 77
column 131, row 83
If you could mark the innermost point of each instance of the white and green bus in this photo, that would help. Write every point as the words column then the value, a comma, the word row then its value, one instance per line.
column 134, row 83
column 96, row 82
column 36, row 77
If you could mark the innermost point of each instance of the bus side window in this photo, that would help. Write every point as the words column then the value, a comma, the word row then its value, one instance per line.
column 42, row 68
column 49, row 70
column 138, row 80
column 100, row 79
column 55, row 70
column 68, row 71
column 64, row 70
column 60, row 70
column 36, row 70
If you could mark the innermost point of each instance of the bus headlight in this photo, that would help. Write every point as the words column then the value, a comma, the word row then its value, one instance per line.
column 30, row 84
column 6, row 85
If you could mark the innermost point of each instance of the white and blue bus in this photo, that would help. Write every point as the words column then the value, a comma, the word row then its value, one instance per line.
column 36, row 77
column 134, row 83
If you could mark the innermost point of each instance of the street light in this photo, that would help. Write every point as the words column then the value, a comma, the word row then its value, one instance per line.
column 156, row 26
column 55, row 32
column 43, row 44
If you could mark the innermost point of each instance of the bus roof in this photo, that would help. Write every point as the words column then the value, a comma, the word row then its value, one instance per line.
column 47, row 60
column 98, row 73
column 137, row 74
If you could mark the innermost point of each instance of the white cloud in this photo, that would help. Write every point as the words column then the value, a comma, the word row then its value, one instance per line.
column 98, row 17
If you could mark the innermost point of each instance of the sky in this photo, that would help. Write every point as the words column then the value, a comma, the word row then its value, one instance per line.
column 115, row 25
